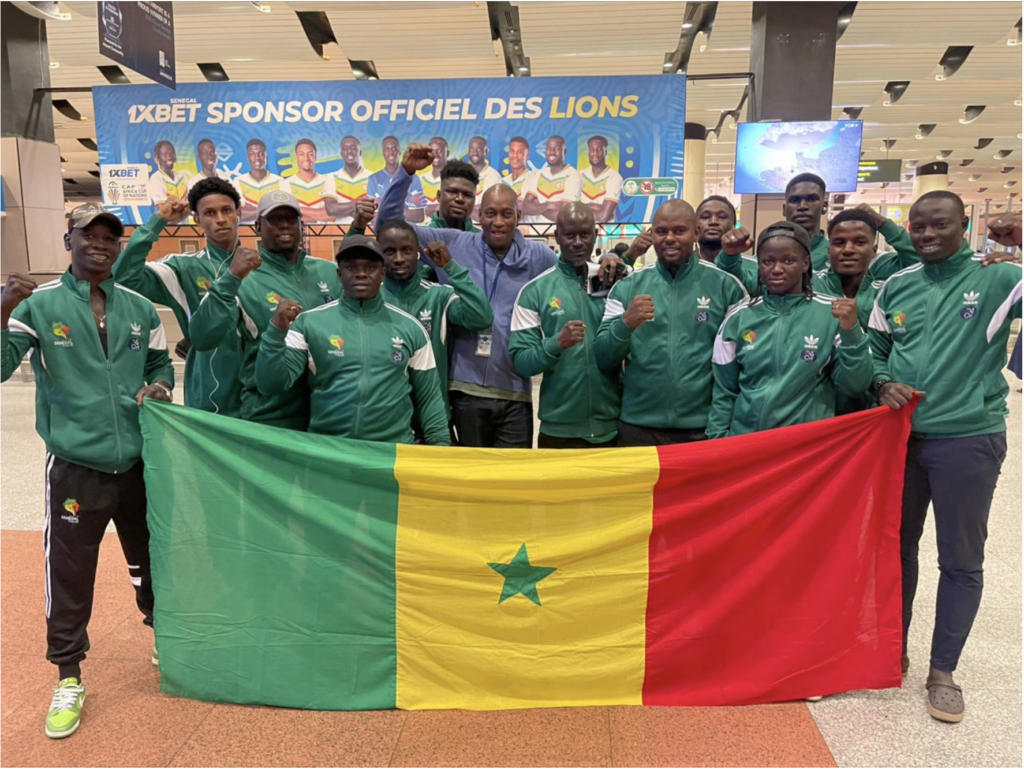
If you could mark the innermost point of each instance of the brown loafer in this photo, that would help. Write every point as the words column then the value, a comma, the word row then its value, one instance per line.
column 945, row 702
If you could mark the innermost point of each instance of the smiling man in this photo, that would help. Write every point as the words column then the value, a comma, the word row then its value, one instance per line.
column 661, row 323
column 98, row 350
column 350, row 181
column 206, row 154
column 940, row 328
column 602, row 185
column 491, row 403
column 367, row 365
column 165, row 181
column 558, row 183
column 258, row 182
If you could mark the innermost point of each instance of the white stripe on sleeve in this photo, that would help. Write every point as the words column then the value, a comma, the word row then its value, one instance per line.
column 725, row 351
column 523, row 318
column 157, row 338
column 1002, row 312
column 170, row 281
column 17, row 326
column 423, row 359
column 295, row 341
column 612, row 309
column 877, row 321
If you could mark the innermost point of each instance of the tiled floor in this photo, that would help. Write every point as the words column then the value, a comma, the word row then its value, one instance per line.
column 128, row 722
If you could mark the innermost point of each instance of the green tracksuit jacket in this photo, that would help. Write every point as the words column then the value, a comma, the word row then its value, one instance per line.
column 780, row 361
column 884, row 265
column 667, row 379
column 943, row 329
column 85, row 399
column 577, row 399
column 369, row 369
column 243, row 309
column 462, row 303
column 180, row 281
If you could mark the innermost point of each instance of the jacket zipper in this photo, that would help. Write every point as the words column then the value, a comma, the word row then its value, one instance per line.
column 671, row 337
column 584, row 307
column 363, row 375
column 778, row 341
column 110, row 391
column 927, row 333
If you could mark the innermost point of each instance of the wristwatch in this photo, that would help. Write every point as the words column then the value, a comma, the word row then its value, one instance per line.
column 877, row 387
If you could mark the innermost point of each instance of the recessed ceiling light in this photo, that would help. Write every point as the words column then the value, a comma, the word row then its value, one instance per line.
column 687, row 25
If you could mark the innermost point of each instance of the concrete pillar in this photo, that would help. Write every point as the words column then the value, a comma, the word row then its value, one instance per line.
column 33, row 223
column 694, row 149
column 930, row 177
column 793, row 58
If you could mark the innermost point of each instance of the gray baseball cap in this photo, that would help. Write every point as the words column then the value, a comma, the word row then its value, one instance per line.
column 84, row 215
column 359, row 247
column 276, row 199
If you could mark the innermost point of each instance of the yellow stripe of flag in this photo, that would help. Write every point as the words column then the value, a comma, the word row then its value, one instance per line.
column 470, row 632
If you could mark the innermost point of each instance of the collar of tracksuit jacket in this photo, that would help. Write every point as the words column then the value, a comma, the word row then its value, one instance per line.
column 685, row 269
column 781, row 304
column 438, row 222
column 364, row 307
column 947, row 268
column 280, row 262
column 407, row 290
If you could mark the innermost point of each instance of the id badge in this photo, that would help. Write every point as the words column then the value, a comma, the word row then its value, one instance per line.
column 483, row 343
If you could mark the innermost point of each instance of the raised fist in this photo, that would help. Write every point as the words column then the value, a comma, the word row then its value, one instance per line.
column 417, row 157
column 287, row 311
column 366, row 210
column 244, row 262
column 640, row 310
column 172, row 209
column 737, row 241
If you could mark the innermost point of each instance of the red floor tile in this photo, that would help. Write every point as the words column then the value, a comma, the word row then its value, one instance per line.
column 125, row 723
column 246, row 736
column 742, row 736
column 23, row 678
column 568, row 737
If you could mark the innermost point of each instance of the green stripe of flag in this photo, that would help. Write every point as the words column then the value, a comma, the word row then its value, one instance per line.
column 273, row 562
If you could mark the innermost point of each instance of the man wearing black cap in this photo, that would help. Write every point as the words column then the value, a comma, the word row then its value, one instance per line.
column 244, row 298
column 368, row 366
column 98, row 350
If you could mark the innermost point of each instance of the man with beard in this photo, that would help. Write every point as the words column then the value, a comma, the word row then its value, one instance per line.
column 551, row 187
column 380, row 181
column 478, row 152
column 661, row 322
column 602, row 185
column 554, row 327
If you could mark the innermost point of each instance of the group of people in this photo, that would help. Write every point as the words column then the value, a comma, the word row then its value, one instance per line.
column 332, row 197
column 431, row 334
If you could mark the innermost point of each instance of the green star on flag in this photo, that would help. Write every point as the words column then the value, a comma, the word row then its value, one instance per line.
column 521, row 577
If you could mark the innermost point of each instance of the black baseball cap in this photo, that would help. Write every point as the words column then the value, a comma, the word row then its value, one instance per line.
column 785, row 230
column 359, row 247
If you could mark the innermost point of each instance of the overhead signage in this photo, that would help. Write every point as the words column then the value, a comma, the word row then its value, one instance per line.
column 139, row 36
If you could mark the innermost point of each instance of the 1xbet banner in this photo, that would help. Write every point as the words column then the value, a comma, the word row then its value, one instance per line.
column 622, row 140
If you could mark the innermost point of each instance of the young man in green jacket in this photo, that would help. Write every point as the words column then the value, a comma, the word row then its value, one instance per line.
column 661, row 321
column 98, row 349
column 243, row 300
column 460, row 302
column 368, row 366
column 180, row 281
column 554, row 326
column 941, row 328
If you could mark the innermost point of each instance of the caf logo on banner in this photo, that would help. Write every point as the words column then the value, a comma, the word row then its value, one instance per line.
column 125, row 184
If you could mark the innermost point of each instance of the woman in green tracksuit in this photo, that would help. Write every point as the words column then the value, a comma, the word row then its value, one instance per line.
column 780, row 358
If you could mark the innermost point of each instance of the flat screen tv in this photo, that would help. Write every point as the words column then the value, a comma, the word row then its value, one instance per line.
column 770, row 154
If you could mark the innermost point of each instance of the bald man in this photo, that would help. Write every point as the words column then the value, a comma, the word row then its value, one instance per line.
column 491, row 403
column 558, row 183
column 554, row 328
column 661, row 322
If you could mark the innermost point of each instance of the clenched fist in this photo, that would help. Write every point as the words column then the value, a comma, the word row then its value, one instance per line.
column 572, row 334
column 845, row 310
column 172, row 209
column 366, row 210
column 417, row 157
column 737, row 241
column 244, row 262
column 895, row 395
column 879, row 220
column 19, row 287
column 287, row 311
column 640, row 310
column 639, row 246
column 438, row 253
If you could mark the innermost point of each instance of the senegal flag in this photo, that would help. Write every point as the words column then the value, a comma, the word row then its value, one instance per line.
column 299, row 570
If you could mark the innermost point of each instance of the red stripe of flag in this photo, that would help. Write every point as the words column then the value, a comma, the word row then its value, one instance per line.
column 774, row 564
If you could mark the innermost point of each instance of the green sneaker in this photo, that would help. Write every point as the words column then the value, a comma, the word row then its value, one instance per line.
column 65, row 712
